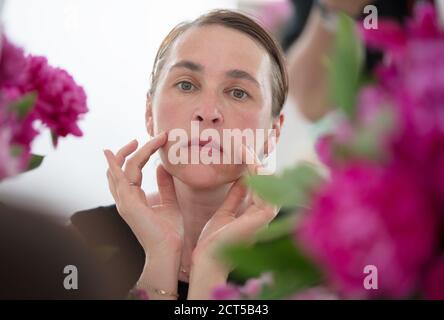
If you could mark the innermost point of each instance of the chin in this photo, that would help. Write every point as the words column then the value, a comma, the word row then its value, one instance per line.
column 202, row 176
column 205, row 176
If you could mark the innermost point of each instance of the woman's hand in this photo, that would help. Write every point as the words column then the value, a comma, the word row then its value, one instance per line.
column 229, row 224
column 158, row 228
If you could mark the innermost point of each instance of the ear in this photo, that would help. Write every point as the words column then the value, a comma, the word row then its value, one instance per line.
column 276, row 126
column 149, row 115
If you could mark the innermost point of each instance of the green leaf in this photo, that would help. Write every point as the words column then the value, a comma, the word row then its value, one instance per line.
column 24, row 105
column 291, row 269
column 290, row 189
column 36, row 161
column 345, row 66
column 278, row 228
column 16, row 150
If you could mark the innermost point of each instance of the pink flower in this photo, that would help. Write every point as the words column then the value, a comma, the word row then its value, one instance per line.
column 138, row 294
column 434, row 281
column 60, row 101
column 368, row 137
column 226, row 292
column 253, row 287
column 410, row 85
column 250, row 290
column 370, row 216
column 392, row 37
column 413, row 70
column 389, row 35
column 23, row 132
column 9, row 165
column 315, row 293
column 274, row 14
column 10, row 130
column 386, row 213
column 13, row 64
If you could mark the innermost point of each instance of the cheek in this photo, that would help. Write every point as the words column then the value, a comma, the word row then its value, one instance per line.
column 168, row 115
column 250, row 120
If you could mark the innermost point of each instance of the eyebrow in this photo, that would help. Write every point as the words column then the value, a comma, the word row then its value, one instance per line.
column 188, row 65
column 241, row 74
column 196, row 67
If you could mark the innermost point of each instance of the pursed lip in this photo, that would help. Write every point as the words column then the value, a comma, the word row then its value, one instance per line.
column 205, row 143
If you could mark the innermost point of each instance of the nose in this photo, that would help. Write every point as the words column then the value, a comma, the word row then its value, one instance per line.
column 208, row 113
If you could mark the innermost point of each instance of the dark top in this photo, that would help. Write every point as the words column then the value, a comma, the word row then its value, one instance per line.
column 103, row 229
column 39, row 259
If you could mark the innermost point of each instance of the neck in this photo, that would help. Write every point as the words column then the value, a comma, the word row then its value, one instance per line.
column 197, row 207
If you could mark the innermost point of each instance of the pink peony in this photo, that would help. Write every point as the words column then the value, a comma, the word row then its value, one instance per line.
column 250, row 290
column 413, row 70
column 316, row 293
column 253, row 287
column 370, row 216
column 9, row 165
column 411, row 85
column 387, row 212
column 10, row 130
column 13, row 64
column 413, row 76
column 23, row 132
column 60, row 101
column 434, row 281
column 226, row 292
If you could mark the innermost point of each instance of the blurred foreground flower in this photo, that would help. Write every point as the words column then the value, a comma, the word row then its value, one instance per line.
column 381, row 204
column 250, row 290
column 31, row 91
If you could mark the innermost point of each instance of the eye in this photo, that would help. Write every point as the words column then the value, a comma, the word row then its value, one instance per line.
column 239, row 94
column 185, row 86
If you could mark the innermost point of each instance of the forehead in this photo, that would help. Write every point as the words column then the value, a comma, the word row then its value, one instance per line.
column 219, row 48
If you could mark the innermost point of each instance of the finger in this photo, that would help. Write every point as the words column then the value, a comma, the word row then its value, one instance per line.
column 126, row 151
column 264, row 213
column 118, row 177
column 111, row 185
column 250, row 159
column 124, row 195
column 247, row 225
column 254, row 165
column 133, row 168
column 165, row 184
column 234, row 199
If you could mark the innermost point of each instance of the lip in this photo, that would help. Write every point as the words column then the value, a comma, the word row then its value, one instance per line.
column 205, row 143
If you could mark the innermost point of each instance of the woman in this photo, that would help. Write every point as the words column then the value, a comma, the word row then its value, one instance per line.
column 220, row 71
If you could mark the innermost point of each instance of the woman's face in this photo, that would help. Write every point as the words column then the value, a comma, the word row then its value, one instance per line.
column 219, row 78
